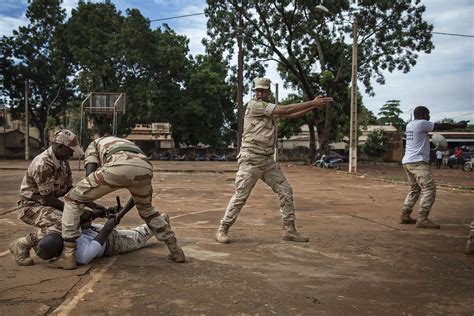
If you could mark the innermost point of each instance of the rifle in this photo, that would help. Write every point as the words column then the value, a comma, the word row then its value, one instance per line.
column 114, row 219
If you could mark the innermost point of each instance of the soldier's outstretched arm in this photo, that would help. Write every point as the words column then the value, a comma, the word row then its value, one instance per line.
column 303, row 107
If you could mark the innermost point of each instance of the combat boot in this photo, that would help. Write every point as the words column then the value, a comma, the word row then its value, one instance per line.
column 423, row 222
column 291, row 234
column 67, row 259
column 222, row 234
column 20, row 249
column 176, row 253
column 470, row 244
column 406, row 218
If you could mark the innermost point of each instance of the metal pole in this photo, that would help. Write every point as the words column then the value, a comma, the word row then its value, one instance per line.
column 27, row 125
column 114, row 124
column 276, row 125
column 80, row 134
column 353, row 138
column 4, row 131
column 240, row 81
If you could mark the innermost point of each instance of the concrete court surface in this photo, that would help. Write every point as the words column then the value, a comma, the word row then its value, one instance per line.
column 359, row 259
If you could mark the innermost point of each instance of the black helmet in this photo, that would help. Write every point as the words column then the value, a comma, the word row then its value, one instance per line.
column 50, row 246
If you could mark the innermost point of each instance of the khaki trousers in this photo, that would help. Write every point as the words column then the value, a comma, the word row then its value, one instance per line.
column 422, row 186
column 109, row 178
column 253, row 167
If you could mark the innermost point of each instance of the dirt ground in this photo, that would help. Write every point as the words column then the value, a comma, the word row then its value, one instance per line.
column 359, row 259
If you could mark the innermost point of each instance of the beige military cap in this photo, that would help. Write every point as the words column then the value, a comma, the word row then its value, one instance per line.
column 67, row 138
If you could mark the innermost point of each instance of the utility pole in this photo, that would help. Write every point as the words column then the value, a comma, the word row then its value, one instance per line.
column 353, row 138
column 27, row 125
column 240, row 80
column 276, row 124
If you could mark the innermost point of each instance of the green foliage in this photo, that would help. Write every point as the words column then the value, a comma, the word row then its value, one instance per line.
column 376, row 145
column 51, row 123
column 390, row 114
column 366, row 117
column 311, row 48
column 34, row 53
column 207, row 112
column 290, row 127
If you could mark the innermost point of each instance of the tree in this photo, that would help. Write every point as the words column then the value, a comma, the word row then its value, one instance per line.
column 207, row 112
column 34, row 54
column 376, row 144
column 299, row 39
column 116, row 53
column 390, row 114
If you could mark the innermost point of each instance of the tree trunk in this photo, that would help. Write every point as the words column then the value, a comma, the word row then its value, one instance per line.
column 312, row 141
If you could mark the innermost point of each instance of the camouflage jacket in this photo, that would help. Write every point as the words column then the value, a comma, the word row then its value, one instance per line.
column 111, row 150
column 45, row 175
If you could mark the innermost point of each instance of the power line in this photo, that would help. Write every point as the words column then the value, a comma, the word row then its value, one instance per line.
column 202, row 13
column 177, row 17
column 452, row 34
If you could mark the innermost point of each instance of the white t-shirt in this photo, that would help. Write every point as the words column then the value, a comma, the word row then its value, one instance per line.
column 418, row 143
column 87, row 248
column 439, row 155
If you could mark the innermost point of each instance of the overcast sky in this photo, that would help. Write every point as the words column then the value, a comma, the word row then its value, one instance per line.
column 443, row 80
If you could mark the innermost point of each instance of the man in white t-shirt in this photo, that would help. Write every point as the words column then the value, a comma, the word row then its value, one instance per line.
column 99, row 240
column 416, row 163
column 90, row 247
column 439, row 158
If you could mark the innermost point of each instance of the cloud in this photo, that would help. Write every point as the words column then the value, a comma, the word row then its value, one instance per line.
column 9, row 24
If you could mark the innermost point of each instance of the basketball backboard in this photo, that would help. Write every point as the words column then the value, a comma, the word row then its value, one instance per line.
column 104, row 102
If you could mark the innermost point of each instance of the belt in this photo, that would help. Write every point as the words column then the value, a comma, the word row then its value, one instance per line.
column 123, row 148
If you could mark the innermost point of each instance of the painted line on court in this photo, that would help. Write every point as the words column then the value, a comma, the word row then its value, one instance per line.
column 197, row 212
column 69, row 304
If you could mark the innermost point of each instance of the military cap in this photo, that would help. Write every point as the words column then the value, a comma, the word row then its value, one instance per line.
column 261, row 83
column 67, row 138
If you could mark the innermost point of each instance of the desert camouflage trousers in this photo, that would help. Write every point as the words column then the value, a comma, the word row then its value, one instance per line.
column 109, row 178
column 422, row 186
column 46, row 218
column 125, row 240
column 251, row 168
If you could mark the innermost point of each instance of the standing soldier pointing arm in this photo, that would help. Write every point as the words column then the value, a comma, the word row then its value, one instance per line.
column 256, row 160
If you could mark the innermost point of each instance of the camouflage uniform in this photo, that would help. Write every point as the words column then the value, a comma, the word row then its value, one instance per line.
column 45, row 175
column 256, row 161
column 121, row 164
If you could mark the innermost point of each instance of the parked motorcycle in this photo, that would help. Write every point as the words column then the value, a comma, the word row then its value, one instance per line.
column 180, row 157
column 165, row 156
column 325, row 162
column 468, row 165
column 216, row 157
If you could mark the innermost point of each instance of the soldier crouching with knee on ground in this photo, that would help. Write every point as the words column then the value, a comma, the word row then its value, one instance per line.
column 256, row 160
column 416, row 163
column 114, row 163
column 48, row 177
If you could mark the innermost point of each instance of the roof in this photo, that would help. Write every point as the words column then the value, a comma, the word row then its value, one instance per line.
column 11, row 130
column 386, row 128
column 148, row 137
